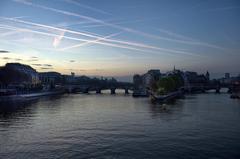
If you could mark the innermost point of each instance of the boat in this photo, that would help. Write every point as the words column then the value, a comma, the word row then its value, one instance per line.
column 11, row 96
column 140, row 93
column 236, row 91
column 235, row 96
column 166, row 97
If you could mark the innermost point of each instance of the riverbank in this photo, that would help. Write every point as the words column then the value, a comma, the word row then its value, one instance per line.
column 28, row 96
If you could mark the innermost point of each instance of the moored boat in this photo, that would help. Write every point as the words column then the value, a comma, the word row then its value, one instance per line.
column 165, row 98
column 21, row 97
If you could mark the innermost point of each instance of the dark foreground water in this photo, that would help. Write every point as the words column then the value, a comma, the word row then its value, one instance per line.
column 119, row 126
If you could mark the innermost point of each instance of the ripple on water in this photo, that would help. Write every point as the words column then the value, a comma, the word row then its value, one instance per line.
column 119, row 126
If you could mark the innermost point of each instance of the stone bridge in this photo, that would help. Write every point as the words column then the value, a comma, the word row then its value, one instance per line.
column 206, row 87
column 98, row 88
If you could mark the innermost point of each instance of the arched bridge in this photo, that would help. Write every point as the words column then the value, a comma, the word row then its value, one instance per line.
column 206, row 87
column 99, row 87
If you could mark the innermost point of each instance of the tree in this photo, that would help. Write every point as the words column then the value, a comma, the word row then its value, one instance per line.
column 167, row 84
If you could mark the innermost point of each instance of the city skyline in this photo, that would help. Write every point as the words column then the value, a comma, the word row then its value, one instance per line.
column 121, row 38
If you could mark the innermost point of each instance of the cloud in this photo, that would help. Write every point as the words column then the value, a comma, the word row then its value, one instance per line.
column 72, row 61
column 34, row 57
column 45, row 68
column 85, row 70
column 4, row 51
column 8, row 33
column 76, row 70
column 32, row 60
column 57, row 39
column 6, row 58
column 17, row 59
column 47, row 65
column 36, row 64
column 98, row 70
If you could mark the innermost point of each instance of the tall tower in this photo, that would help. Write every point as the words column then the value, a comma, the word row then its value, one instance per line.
column 207, row 76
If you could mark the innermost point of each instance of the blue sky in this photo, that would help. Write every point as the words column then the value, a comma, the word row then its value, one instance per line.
column 120, row 38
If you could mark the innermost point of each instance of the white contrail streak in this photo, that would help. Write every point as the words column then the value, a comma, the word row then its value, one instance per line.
column 114, row 25
column 91, row 41
column 176, row 35
column 96, row 37
column 86, row 7
column 72, row 38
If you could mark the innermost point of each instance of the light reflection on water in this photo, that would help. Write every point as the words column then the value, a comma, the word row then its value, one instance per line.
column 119, row 126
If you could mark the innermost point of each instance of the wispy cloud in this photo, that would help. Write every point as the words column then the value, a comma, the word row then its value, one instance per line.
column 47, row 65
column 4, row 51
column 57, row 39
column 45, row 68
column 32, row 60
column 17, row 59
column 8, row 33
column 36, row 64
column 6, row 58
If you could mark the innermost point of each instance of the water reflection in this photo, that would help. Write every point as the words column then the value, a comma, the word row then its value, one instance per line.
column 14, row 109
column 170, row 108
column 119, row 126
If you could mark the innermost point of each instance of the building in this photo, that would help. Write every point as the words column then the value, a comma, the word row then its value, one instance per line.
column 194, row 78
column 142, row 83
column 227, row 75
column 70, row 79
column 50, row 78
column 16, row 73
column 151, row 76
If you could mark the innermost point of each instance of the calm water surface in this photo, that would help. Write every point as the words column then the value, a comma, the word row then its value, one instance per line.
column 119, row 126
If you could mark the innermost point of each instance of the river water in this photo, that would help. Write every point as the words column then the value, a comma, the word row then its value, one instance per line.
column 119, row 126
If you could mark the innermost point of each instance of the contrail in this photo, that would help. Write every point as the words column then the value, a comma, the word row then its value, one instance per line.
column 96, row 37
column 50, row 27
column 87, row 7
column 77, row 39
column 170, row 33
column 8, row 33
column 57, row 40
column 91, row 41
column 72, row 38
column 166, row 51
column 112, row 25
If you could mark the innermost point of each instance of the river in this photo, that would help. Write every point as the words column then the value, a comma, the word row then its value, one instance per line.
column 119, row 126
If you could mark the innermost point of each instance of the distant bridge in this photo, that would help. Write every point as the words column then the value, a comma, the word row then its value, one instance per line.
column 206, row 87
column 98, row 88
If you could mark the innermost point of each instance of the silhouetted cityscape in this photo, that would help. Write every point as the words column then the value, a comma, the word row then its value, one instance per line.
column 127, row 79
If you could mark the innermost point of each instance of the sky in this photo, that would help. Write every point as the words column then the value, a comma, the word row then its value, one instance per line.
column 121, row 38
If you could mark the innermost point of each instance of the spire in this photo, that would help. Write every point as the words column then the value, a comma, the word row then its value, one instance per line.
column 208, row 75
